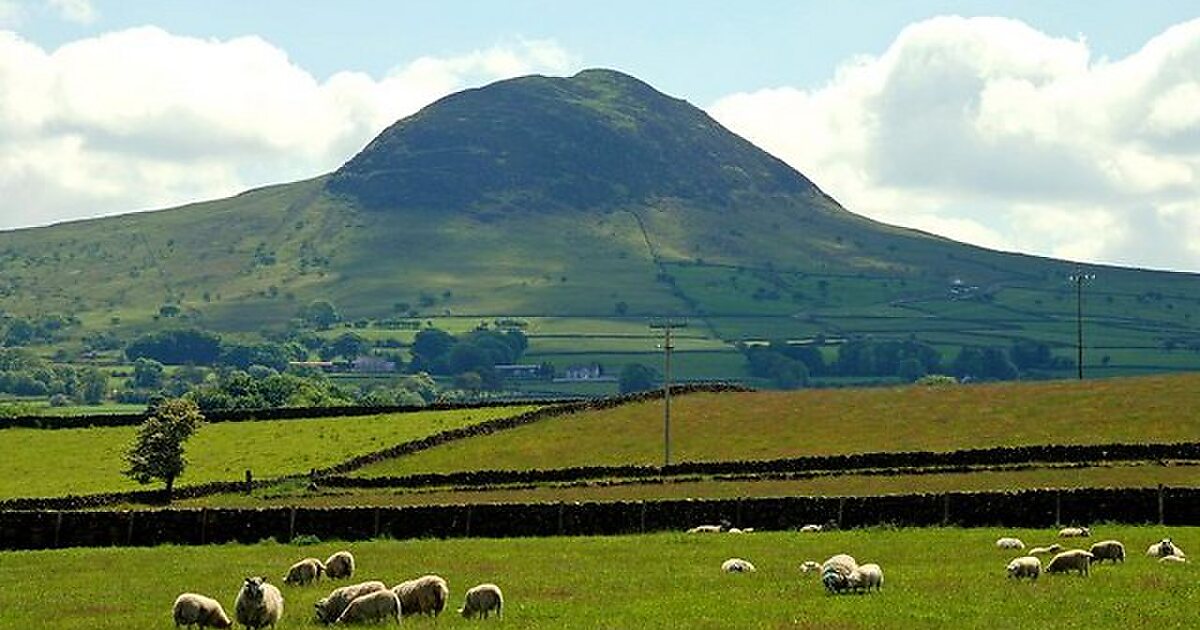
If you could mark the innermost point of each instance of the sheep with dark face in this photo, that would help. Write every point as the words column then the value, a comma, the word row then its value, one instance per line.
column 737, row 565
column 191, row 609
column 482, row 600
column 259, row 604
column 836, row 571
column 1108, row 550
column 1163, row 548
column 329, row 608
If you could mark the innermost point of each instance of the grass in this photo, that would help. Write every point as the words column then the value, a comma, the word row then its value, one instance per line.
column 667, row 580
column 43, row 463
column 771, row 425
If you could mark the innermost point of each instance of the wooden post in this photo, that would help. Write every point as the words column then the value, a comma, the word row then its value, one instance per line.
column 249, row 481
column 58, row 518
column 737, row 513
column 841, row 508
column 945, row 509
column 468, row 534
column 561, row 508
column 1161, row 520
column 642, row 524
column 292, row 524
column 129, row 529
column 203, row 525
column 1058, row 509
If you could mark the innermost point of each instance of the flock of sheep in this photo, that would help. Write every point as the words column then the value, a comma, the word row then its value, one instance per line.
column 1078, row 560
column 259, row 604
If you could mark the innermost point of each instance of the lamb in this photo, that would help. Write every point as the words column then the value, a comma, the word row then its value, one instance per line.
column 737, row 565
column 809, row 566
column 1074, row 532
column 811, row 528
column 329, row 608
column 1025, row 567
column 744, row 530
column 304, row 572
column 1108, row 550
column 1009, row 543
column 340, row 565
column 1164, row 548
column 1042, row 551
column 481, row 600
column 835, row 573
column 1072, row 560
column 1172, row 560
column 865, row 577
column 203, row 612
column 427, row 595
column 258, row 604
column 372, row 607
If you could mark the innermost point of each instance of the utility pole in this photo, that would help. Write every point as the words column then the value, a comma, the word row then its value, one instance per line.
column 1079, row 277
column 668, row 346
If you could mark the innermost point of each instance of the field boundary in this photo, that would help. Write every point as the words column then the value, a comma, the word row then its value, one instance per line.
column 48, row 529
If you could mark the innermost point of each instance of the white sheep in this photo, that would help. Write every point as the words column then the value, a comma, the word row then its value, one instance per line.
column 1164, row 548
column 340, row 565
column 1071, row 560
column 811, row 528
column 1009, row 543
column 203, row 612
column 426, row 595
column 737, row 565
column 329, row 608
column 1075, row 532
column 1025, row 567
column 809, row 566
column 1108, row 550
column 865, row 577
column 835, row 573
column 372, row 607
column 259, row 604
column 1172, row 560
column 305, row 571
column 481, row 600
column 1042, row 551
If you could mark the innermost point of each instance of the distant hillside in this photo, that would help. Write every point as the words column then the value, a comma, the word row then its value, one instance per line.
column 583, row 206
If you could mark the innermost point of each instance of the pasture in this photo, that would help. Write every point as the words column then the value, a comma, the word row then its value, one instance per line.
column 932, row 578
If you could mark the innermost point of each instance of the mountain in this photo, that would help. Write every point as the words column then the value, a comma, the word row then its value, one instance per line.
column 583, row 205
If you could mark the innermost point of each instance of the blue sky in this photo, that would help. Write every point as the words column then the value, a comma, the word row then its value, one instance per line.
column 1067, row 129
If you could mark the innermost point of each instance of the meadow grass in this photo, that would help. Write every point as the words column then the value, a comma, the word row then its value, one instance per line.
column 44, row 463
column 932, row 578
column 1135, row 475
column 771, row 425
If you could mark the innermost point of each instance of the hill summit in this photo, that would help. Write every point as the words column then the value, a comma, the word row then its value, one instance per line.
column 599, row 138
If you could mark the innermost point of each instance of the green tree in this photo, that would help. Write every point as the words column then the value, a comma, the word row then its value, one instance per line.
column 321, row 314
column 93, row 385
column 147, row 373
column 636, row 377
column 157, row 451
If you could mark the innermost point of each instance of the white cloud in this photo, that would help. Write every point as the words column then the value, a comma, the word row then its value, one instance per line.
column 144, row 118
column 988, row 131
column 77, row 11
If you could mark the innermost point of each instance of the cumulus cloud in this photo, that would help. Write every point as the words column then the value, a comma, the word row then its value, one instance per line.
column 145, row 118
column 989, row 131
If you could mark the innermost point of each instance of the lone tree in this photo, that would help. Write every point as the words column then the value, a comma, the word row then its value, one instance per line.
column 157, row 452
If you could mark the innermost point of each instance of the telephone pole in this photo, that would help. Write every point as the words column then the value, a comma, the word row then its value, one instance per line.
column 668, row 346
column 1079, row 277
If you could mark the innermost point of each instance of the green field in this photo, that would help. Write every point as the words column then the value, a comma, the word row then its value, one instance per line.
column 932, row 578
column 43, row 462
column 772, row 425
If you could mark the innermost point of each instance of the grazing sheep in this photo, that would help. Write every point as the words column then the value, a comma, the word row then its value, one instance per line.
column 1072, row 560
column 1009, row 543
column 737, row 565
column 865, row 577
column 304, row 572
column 426, row 595
column 258, row 604
column 1041, row 551
column 329, row 608
column 1164, row 548
column 1172, row 560
column 809, row 566
column 835, row 573
column 811, row 528
column 1075, row 532
column 1025, row 567
column 481, row 600
column 1108, row 550
column 203, row 612
column 372, row 607
column 340, row 565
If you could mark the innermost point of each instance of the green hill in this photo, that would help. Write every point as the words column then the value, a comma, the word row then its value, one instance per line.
column 584, row 206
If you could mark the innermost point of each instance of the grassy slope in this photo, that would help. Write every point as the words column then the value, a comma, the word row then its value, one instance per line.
column 769, row 425
column 38, row 463
column 654, row 581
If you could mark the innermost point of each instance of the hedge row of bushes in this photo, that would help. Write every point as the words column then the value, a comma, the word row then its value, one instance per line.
column 1026, row 508
column 895, row 461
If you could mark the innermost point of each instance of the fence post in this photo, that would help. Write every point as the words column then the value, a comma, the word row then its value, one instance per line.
column 129, row 529
column 737, row 513
column 292, row 524
column 468, row 534
column 945, row 509
column 203, row 526
column 57, row 527
column 1058, row 508
column 1161, row 520
column 642, row 525
column 561, row 508
column 841, row 508
column 249, row 481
